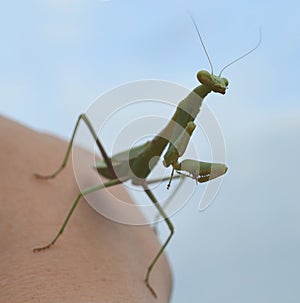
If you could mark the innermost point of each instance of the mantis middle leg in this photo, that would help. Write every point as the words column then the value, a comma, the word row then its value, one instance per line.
column 65, row 160
column 171, row 227
column 81, row 194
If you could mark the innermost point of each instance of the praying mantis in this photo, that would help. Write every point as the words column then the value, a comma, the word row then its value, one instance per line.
column 136, row 164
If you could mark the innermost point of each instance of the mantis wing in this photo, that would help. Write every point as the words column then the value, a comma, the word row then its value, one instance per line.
column 120, row 162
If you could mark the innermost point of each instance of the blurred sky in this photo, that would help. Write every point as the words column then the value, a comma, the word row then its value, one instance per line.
column 57, row 56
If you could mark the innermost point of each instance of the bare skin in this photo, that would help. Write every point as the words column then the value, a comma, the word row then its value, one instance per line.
column 97, row 260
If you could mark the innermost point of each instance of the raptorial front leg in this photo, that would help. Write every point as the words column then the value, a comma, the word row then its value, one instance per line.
column 67, row 155
column 178, row 148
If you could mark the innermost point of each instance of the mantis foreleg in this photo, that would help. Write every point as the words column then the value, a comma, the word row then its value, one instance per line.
column 201, row 171
column 65, row 160
column 178, row 148
column 171, row 227
column 81, row 194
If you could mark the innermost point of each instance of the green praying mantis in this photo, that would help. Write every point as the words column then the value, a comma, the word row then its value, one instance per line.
column 136, row 164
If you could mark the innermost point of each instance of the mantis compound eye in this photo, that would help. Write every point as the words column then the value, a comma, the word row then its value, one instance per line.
column 204, row 77
column 225, row 81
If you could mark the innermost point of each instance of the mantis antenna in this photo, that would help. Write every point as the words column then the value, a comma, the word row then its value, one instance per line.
column 246, row 54
column 198, row 32
column 206, row 53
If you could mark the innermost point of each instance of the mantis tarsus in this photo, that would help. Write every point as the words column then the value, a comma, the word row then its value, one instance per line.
column 136, row 164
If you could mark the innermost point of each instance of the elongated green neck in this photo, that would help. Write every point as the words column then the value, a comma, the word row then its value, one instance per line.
column 186, row 112
column 202, row 91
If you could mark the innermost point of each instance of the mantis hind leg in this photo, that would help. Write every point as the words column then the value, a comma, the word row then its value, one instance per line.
column 81, row 194
column 171, row 228
column 67, row 155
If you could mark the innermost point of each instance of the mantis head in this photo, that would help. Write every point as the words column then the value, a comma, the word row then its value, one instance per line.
column 216, row 83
